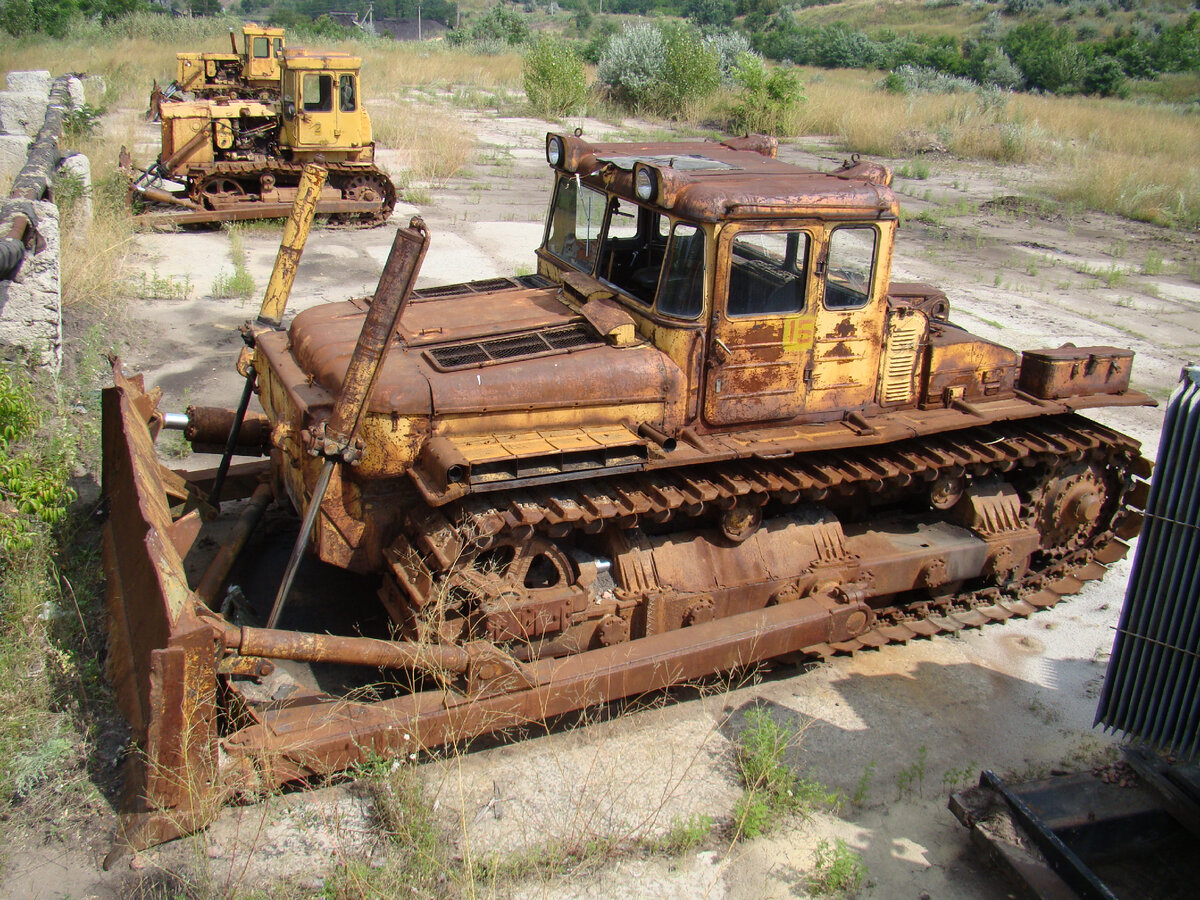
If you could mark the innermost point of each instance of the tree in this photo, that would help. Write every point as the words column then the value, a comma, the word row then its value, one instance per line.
column 709, row 12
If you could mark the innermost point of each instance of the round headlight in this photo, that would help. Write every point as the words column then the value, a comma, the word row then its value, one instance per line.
column 554, row 151
column 643, row 184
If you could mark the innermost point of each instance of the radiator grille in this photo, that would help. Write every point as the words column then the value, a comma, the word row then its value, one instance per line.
column 1152, row 686
column 479, row 353
column 479, row 287
column 900, row 360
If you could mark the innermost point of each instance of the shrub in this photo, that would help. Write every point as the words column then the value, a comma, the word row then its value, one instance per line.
column 33, row 478
column 729, row 47
column 920, row 80
column 555, row 82
column 660, row 69
column 498, row 28
column 837, row 870
column 767, row 100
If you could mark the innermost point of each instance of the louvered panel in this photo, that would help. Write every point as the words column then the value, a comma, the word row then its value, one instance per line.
column 900, row 358
column 1152, row 685
column 477, row 353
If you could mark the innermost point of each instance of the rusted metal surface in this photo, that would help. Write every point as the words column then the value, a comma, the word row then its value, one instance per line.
column 1067, row 371
column 571, row 492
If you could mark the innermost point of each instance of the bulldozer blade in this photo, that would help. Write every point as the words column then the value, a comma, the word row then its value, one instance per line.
column 161, row 661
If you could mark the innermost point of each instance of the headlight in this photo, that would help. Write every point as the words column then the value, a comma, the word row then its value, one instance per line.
column 554, row 150
column 644, row 183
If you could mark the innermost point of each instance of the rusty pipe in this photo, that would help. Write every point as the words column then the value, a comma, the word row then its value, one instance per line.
column 391, row 295
column 657, row 435
column 295, row 233
column 375, row 339
column 305, row 646
column 218, row 570
column 161, row 196
column 231, row 443
column 210, row 426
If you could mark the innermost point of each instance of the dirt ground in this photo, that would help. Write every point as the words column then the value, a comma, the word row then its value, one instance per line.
column 894, row 729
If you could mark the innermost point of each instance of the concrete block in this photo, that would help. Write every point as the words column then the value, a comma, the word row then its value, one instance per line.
column 14, row 150
column 37, row 81
column 31, row 304
column 22, row 113
column 78, row 167
column 75, row 86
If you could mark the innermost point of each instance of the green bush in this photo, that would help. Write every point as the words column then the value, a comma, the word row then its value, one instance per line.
column 664, row 69
column 767, row 99
column 33, row 480
column 500, row 27
column 555, row 82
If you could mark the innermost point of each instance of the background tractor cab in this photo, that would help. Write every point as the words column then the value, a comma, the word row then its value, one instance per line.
column 253, row 71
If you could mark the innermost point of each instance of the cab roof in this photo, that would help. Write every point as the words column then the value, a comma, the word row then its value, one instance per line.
column 299, row 58
column 714, row 181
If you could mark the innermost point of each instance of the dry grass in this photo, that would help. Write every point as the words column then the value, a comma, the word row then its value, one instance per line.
column 1132, row 159
column 387, row 68
column 433, row 145
column 94, row 274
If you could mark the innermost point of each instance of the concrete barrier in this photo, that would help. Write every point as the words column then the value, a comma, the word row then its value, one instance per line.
column 32, row 112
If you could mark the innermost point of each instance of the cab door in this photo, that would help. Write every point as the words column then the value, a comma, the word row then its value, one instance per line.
column 849, row 314
column 760, row 339
column 317, row 115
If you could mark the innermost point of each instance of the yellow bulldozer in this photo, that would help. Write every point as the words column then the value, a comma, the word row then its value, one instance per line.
column 227, row 158
column 249, row 73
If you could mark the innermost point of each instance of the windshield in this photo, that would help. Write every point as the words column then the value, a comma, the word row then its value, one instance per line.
column 651, row 259
column 576, row 217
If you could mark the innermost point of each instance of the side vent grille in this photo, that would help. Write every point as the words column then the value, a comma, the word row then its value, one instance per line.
column 900, row 360
column 537, row 343
column 1152, row 686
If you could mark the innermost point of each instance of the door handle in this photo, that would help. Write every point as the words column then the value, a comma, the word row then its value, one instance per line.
column 724, row 351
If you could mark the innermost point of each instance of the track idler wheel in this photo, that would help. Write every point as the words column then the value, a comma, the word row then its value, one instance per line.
column 367, row 187
column 1072, row 506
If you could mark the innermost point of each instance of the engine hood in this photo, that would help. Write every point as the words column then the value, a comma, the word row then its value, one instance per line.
column 506, row 352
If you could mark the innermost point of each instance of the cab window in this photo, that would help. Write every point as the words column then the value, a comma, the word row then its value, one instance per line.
column 576, row 217
column 262, row 48
column 851, row 266
column 633, row 250
column 278, row 43
column 347, row 95
column 317, row 92
column 682, row 290
column 768, row 273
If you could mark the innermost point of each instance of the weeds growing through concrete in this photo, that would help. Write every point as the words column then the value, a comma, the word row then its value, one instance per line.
column 837, row 870
column 772, row 789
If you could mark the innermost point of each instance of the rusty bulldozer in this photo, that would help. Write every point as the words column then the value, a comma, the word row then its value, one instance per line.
column 710, row 431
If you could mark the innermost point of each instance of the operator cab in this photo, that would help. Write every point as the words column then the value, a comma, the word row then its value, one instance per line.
column 765, row 282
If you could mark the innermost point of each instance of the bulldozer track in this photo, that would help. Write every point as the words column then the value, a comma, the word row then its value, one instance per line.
column 450, row 535
column 293, row 171
column 587, row 505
